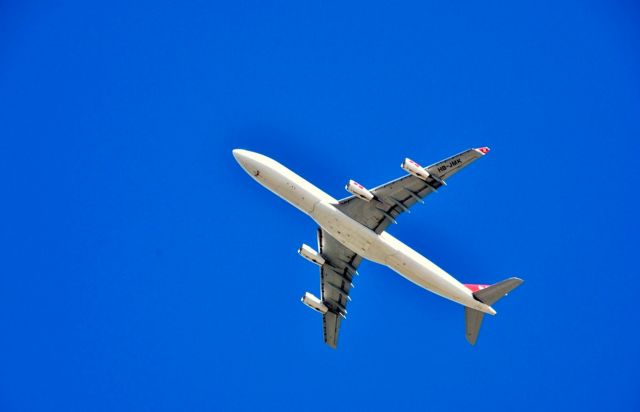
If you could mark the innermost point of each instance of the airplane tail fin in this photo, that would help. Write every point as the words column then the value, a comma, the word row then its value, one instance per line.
column 487, row 295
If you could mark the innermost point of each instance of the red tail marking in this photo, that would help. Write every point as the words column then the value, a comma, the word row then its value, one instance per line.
column 475, row 288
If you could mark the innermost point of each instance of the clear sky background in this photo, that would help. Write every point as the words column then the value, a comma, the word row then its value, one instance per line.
column 142, row 269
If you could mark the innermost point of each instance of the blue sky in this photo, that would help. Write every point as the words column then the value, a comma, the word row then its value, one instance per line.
column 141, row 269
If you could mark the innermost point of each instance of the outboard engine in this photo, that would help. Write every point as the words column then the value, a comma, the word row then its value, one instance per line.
column 311, row 255
column 358, row 190
column 314, row 303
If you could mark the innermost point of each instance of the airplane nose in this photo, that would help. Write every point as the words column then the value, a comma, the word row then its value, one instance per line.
column 239, row 154
column 244, row 158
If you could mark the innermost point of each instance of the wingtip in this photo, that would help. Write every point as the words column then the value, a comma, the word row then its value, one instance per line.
column 517, row 280
column 482, row 150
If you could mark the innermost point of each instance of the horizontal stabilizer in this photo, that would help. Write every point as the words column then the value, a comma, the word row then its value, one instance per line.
column 493, row 293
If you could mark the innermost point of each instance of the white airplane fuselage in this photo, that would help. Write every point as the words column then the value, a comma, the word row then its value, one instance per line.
column 380, row 248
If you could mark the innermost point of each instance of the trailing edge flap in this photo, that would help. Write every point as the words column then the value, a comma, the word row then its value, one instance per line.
column 331, row 326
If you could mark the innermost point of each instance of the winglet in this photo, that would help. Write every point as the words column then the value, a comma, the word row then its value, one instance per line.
column 482, row 150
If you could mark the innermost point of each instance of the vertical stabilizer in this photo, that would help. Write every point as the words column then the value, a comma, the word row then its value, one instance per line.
column 488, row 296
column 473, row 319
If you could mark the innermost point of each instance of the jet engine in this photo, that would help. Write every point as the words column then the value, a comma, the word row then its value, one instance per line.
column 419, row 171
column 358, row 190
column 311, row 255
column 415, row 169
column 314, row 303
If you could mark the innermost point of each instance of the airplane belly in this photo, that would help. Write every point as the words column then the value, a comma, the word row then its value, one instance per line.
column 289, row 186
column 421, row 271
column 350, row 233
column 386, row 250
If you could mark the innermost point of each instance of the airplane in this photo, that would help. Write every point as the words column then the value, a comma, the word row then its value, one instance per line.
column 355, row 228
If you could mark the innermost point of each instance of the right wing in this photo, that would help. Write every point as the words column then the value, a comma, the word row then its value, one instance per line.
column 336, row 276
column 399, row 195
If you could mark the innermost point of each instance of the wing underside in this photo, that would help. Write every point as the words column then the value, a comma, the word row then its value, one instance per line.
column 395, row 197
column 336, row 277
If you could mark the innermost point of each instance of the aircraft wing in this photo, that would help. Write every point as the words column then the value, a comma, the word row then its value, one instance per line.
column 336, row 275
column 397, row 196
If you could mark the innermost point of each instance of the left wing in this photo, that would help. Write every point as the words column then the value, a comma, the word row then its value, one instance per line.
column 336, row 276
column 397, row 196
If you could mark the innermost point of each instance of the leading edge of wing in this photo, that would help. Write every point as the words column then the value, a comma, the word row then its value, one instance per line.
column 397, row 196
column 473, row 153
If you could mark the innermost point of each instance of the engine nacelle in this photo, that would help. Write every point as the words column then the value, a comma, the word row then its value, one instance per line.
column 314, row 303
column 358, row 190
column 415, row 169
column 311, row 255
